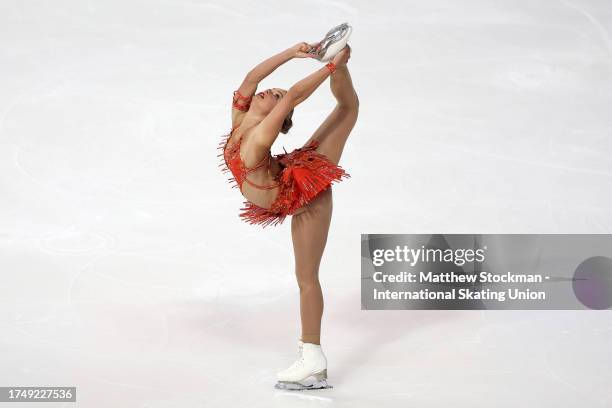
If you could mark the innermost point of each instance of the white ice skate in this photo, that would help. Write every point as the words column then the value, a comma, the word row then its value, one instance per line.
column 334, row 41
column 309, row 372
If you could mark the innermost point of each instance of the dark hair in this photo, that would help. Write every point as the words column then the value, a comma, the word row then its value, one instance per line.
column 287, row 123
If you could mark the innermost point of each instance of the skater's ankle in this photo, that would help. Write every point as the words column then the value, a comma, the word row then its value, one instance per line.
column 311, row 338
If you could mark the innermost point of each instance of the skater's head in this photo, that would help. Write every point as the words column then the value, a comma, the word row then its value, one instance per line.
column 263, row 103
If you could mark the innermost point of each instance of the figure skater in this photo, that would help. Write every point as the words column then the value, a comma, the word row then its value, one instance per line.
column 296, row 183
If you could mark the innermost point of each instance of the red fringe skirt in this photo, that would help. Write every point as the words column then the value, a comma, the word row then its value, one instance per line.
column 305, row 174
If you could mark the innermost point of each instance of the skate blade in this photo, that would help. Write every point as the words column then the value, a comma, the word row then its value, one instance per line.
column 296, row 386
column 334, row 41
column 335, row 45
column 316, row 381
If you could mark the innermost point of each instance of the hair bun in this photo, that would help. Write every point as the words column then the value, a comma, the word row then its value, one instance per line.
column 287, row 123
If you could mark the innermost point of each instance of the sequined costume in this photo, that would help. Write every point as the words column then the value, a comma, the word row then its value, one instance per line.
column 304, row 174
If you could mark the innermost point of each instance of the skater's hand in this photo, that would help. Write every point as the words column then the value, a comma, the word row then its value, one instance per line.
column 342, row 57
column 300, row 50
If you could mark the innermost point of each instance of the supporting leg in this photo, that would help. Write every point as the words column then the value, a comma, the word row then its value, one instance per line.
column 309, row 231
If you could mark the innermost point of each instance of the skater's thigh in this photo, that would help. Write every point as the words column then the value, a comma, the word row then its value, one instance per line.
column 333, row 137
column 318, row 203
column 309, row 230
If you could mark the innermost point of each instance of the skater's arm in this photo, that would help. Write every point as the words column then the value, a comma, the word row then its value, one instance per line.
column 268, row 129
column 307, row 86
column 249, row 84
column 304, row 88
column 265, row 68
column 262, row 70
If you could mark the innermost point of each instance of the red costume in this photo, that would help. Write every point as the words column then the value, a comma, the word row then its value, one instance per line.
column 304, row 174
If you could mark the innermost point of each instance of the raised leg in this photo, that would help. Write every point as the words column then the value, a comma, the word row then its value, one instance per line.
column 309, row 231
column 335, row 129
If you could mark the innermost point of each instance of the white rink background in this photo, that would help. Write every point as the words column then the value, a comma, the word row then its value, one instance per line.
column 127, row 273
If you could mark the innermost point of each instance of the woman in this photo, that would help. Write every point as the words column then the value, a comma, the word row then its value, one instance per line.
column 296, row 183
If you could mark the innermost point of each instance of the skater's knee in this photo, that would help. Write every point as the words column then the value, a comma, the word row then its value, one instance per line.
column 349, row 107
column 354, row 102
column 307, row 285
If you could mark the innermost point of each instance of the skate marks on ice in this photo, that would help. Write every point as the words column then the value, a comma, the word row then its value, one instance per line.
column 296, row 399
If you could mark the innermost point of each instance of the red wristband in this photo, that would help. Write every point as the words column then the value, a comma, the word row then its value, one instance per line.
column 238, row 95
column 331, row 66
column 241, row 107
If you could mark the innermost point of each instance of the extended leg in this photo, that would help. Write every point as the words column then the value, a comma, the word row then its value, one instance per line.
column 334, row 131
column 309, row 231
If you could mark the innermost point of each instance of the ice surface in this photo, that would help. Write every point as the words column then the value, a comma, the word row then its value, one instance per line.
column 127, row 273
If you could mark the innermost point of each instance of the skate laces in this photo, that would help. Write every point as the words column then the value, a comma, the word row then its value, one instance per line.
column 297, row 363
